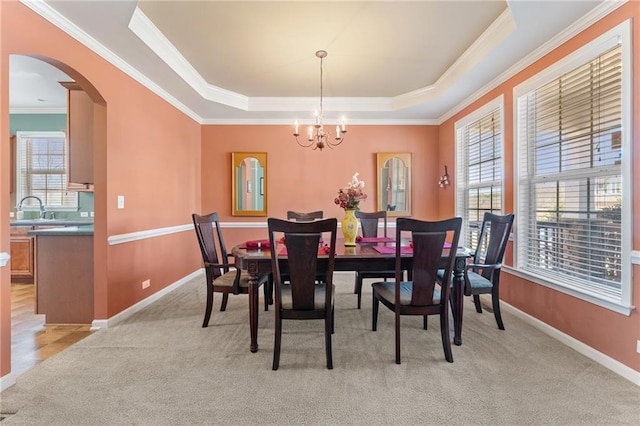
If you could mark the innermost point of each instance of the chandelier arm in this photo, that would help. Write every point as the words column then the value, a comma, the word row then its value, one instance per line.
column 303, row 145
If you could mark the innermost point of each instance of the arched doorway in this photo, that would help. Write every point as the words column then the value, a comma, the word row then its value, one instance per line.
column 47, row 74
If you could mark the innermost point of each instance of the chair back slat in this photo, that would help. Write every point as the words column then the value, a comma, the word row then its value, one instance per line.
column 302, row 252
column 369, row 222
column 427, row 250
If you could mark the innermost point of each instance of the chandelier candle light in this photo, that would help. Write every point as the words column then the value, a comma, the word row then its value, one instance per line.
column 349, row 199
column 317, row 137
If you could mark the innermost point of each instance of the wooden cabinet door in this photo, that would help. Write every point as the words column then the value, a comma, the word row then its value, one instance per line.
column 22, row 261
column 79, row 134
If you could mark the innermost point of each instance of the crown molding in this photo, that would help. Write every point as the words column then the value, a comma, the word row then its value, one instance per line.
column 288, row 122
column 57, row 19
column 502, row 27
column 599, row 12
column 149, row 34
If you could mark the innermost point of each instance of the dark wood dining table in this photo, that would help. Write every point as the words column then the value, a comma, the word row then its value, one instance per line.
column 362, row 257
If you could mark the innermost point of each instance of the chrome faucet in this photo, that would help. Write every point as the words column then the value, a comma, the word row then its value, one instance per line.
column 42, row 210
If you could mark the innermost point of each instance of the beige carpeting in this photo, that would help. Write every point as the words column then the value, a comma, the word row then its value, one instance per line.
column 160, row 367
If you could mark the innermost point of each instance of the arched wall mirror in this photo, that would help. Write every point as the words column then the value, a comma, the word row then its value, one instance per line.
column 394, row 183
column 249, row 183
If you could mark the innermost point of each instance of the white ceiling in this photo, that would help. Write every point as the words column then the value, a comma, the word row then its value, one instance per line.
column 254, row 61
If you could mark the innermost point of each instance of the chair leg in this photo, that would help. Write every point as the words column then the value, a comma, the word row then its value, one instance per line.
column 444, row 331
column 397, row 338
column 266, row 295
column 374, row 312
column 476, row 300
column 333, row 319
column 225, row 299
column 277, row 342
column 328, row 327
column 359, row 288
column 209, row 307
column 425, row 321
column 495, row 301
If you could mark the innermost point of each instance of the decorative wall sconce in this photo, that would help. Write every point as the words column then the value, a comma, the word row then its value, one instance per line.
column 444, row 179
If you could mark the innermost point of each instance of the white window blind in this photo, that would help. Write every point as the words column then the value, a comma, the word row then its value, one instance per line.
column 479, row 168
column 42, row 170
column 570, row 191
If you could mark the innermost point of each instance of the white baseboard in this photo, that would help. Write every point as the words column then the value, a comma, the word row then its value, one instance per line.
column 119, row 317
column 7, row 381
column 606, row 361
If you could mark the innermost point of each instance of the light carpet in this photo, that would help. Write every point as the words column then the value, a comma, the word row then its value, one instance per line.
column 160, row 367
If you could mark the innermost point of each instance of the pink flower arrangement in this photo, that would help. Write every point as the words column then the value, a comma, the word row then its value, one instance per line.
column 349, row 197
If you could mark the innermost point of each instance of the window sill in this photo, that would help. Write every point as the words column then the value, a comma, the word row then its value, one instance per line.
column 611, row 304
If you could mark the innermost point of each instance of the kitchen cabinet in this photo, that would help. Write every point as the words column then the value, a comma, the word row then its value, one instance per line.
column 22, row 255
column 64, row 274
column 79, row 136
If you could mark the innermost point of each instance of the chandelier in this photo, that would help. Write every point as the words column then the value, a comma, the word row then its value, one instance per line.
column 317, row 136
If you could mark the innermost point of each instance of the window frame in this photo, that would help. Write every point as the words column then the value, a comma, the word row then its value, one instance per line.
column 19, row 191
column 462, row 157
column 621, row 34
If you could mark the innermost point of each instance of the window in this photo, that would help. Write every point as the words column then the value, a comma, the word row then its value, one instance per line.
column 41, row 159
column 573, row 221
column 478, row 168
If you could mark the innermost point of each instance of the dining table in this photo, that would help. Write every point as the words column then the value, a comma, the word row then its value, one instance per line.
column 372, row 255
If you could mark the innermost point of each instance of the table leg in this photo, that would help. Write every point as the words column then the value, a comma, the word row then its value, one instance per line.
column 458, row 299
column 253, row 309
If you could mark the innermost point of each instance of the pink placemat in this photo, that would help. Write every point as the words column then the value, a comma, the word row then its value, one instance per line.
column 374, row 240
column 392, row 250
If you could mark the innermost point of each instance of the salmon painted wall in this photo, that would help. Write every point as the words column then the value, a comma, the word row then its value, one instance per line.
column 305, row 180
column 5, row 274
column 146, row 150
column 606, row 331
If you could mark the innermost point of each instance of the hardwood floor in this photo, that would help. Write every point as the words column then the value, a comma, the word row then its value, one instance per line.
column 31, row 340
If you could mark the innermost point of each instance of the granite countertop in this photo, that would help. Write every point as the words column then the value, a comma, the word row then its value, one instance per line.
column 63, row 231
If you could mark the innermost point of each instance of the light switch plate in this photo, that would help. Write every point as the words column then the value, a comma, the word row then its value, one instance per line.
column 121, row 201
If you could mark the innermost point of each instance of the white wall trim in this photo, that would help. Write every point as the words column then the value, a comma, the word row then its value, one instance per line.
column 635, row 257
column 606, row 361
column 4, row 259
column 121, row 316
column 152, row 233
column 7, row 381
column 143, row 235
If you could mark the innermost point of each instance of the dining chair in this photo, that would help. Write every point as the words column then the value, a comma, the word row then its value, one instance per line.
column 482, row 275
column 221, row 276
column 369, row 223
column 303, row 258
column 421, row 296
column 305, row 217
